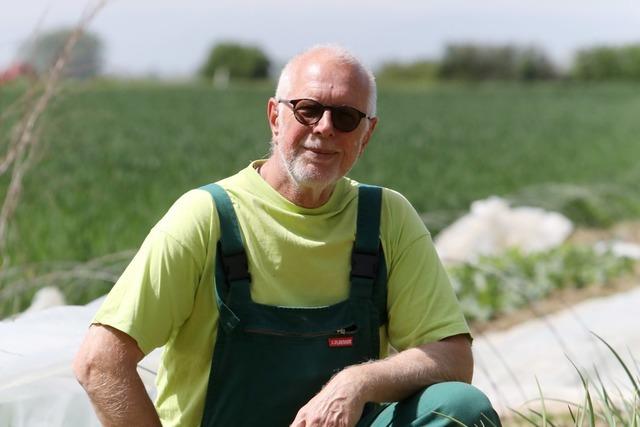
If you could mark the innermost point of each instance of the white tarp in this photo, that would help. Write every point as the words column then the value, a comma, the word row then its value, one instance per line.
column 37, row 385
column 493, row 226
column 509, row 363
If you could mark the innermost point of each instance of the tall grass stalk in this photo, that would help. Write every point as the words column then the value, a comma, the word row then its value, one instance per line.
column 23, row 143
column 596, row 409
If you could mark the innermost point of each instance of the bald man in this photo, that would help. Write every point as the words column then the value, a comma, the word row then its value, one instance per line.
column 278, row 291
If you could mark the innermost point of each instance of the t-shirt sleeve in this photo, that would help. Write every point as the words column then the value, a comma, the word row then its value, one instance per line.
column 422, row 305
column 155, row 294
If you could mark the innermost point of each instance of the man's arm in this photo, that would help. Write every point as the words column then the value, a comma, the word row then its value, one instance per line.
column 341, row 401
column 106, row 368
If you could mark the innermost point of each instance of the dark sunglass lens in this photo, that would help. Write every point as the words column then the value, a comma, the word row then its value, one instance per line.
column 346, row 119
column 308, row 111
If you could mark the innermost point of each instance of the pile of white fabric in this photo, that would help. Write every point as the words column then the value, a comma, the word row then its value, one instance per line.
column 493, row 226
column 37, row 385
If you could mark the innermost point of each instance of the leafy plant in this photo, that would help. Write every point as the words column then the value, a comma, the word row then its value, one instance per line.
column 496, row 285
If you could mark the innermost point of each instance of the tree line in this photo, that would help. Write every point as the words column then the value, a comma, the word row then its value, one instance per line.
column 476, row 62
column 227, row 61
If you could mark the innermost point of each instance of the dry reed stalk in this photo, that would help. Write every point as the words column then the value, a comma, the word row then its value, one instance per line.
column 23, row 142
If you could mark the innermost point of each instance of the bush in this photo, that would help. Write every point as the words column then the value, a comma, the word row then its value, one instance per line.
column 495, row 285
column 86, row 59
column 533, row 64
column 476, row 62
column 237, row 61
column 608, row 63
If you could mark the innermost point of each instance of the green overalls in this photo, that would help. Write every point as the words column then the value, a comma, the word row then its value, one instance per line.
column 269, row 361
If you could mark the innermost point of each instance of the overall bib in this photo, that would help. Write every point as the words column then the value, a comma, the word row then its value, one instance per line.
column 269, row 361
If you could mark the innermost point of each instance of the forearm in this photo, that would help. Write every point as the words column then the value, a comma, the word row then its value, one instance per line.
column 106, row 367
column 120, row 399
column 396, row 377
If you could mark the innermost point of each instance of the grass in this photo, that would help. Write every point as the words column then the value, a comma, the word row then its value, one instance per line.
column 601, row 406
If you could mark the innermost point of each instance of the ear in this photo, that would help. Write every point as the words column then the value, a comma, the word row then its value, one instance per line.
column 272, row 116
column 367, row 136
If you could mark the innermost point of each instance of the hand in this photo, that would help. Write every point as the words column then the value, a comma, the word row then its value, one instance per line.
column 339, row 404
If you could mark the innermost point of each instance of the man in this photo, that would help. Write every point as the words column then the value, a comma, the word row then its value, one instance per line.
column 258, row 305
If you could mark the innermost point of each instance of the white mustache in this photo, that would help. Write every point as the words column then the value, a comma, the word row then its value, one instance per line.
column 320, row 149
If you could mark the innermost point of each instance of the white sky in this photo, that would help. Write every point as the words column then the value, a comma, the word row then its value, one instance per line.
column 171, row 38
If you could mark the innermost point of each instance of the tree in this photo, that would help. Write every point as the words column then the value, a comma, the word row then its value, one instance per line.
column 236, row 61
column 488, row 62
column 608, row 63
column 85, row 61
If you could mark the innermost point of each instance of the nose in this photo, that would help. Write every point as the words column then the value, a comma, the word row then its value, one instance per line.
column 324, row 126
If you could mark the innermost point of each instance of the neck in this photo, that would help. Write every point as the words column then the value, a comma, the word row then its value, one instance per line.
column 306, row 196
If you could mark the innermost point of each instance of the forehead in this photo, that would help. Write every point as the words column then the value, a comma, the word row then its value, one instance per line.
column 329, row 81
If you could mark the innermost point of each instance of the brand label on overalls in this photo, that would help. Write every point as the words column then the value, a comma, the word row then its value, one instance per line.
column 341, row 342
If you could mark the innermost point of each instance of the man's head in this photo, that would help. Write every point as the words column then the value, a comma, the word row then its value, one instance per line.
column 337, row 53
column 316, row 146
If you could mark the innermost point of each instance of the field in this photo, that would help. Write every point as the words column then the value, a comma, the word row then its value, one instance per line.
column 116, row 155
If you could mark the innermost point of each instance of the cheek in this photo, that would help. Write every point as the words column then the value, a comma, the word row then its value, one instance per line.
column 294, row 132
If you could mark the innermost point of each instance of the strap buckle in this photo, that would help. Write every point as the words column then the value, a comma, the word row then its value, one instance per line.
column 364, row 265
column 236, row 267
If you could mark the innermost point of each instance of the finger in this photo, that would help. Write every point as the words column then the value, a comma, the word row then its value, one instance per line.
column 299, row 421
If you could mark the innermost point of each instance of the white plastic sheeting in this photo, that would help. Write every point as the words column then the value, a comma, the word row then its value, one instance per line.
column 619, row 248
column 49, row 296
column 37, row 385
column 509, row 363
column 492, row 226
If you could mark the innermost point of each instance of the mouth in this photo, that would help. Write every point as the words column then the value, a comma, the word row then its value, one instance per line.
column 321, row 151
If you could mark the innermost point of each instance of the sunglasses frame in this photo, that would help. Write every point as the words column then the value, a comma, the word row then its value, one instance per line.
column 333, row 108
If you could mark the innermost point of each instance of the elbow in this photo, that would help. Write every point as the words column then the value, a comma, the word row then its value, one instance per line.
column 466, row 364
column 458, row 359
column 104, row 354
column 466, row 373
column 462, row 369
column 85, row 369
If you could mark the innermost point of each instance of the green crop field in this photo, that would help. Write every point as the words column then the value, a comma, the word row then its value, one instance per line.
column 116, row 155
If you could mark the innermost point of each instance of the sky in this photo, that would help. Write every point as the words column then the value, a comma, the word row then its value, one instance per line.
column 172, row 38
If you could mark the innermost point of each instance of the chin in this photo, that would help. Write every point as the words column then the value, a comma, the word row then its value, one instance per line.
column 311, row 175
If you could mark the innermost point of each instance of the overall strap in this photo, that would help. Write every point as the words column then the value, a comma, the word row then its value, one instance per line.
column 366, row 252
column 232, row 267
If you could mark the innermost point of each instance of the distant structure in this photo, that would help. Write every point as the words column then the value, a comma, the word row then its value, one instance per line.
column 17, row 70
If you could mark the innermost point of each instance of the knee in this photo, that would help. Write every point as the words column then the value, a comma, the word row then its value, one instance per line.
column 463, row 402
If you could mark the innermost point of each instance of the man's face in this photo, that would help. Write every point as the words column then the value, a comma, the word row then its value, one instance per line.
column 320, row 154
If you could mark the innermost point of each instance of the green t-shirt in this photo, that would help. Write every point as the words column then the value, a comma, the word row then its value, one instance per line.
column 297, row 257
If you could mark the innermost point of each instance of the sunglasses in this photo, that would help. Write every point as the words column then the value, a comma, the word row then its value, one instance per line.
column 309, row 112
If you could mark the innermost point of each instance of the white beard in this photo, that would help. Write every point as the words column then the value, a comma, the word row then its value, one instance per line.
column 302, row 172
